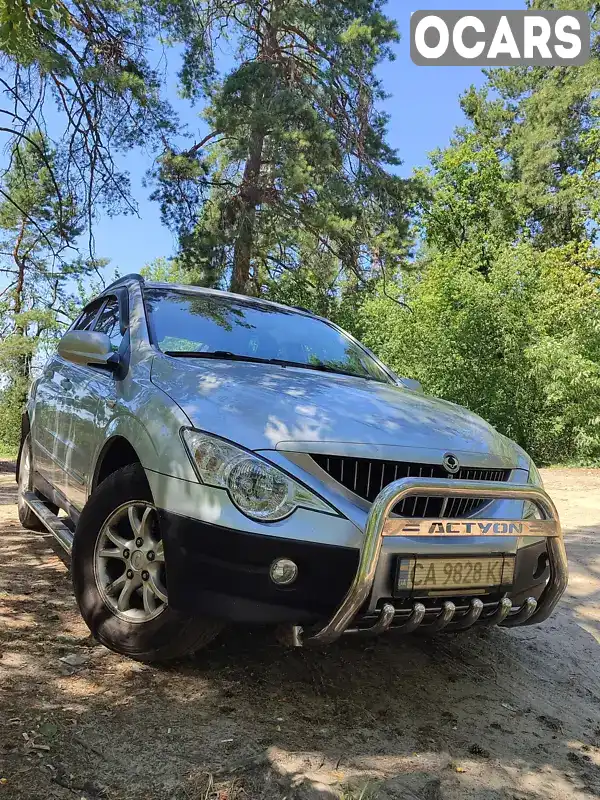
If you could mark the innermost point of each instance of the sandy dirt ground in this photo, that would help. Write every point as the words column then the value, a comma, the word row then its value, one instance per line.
column 490, row 714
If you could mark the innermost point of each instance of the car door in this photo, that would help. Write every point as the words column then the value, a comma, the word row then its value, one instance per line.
column 49, row 434
column 89, row 403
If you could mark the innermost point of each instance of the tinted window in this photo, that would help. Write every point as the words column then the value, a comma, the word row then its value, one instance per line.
column 204, row 323
column 109, row 322
column 87, row 317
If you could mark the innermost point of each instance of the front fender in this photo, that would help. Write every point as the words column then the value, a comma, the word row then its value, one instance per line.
column 153, row 432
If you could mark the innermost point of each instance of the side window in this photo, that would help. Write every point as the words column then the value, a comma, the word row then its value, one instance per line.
column 88, row 315
column 109, row 323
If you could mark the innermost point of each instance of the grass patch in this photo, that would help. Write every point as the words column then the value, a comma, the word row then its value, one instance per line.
column 8, row 453
column 590, row 463
column 366, row 791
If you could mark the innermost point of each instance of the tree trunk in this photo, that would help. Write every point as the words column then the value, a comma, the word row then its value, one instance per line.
column 20, row 284
column 251, row 192
column 23, row 361
column 20, row 379
column 249, row 200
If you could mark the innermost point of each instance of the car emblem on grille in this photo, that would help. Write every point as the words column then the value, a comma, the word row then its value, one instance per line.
column 451, row 463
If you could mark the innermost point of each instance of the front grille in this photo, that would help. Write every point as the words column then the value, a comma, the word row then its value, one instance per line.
column 367, row 478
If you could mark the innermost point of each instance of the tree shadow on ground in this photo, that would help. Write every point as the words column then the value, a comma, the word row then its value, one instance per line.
column 488, row 715
column 8, row 491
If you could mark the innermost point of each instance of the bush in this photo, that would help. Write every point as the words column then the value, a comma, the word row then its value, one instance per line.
column 11, row 407
column 520, row 345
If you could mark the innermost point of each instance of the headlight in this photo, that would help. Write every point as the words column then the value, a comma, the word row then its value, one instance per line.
column 534, row 475
column 530, row 510
column 259, row 489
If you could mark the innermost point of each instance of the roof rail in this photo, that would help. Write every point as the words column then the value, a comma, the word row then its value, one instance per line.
column 306, row 310
column 133, row 276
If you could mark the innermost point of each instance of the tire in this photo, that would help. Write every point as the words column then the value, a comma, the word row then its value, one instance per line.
column 27, row 518
column 101, row 576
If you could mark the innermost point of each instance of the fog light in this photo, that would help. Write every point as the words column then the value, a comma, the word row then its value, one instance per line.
column 283, row 571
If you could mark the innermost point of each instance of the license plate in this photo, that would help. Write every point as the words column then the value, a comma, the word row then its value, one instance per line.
column 428, row 576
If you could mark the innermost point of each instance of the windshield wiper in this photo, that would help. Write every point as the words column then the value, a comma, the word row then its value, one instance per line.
column 226, row 355
column 223, row 354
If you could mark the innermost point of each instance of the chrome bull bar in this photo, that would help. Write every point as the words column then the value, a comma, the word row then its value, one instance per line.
column 380, row 525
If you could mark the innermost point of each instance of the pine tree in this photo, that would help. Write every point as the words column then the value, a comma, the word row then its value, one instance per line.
column 79, row 75
column 39, row 267
column 544, row 124
column 295, row 164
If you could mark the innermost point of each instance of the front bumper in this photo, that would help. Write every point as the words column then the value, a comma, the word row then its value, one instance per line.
column 222, row 572
column 381, row 525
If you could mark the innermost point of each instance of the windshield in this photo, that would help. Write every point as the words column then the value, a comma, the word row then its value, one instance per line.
column 199, row 325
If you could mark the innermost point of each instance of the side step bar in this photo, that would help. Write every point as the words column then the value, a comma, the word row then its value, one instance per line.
column 55, row 526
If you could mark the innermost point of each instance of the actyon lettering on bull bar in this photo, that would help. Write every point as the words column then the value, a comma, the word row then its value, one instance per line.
column 381, row 525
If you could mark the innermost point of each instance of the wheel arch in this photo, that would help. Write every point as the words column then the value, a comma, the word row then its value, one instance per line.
column 116, row 452
column 148, row 431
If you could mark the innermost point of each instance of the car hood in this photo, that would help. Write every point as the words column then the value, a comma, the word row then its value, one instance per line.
column 266, row 407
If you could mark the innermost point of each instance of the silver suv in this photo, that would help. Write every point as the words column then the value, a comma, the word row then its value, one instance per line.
column 208, row 458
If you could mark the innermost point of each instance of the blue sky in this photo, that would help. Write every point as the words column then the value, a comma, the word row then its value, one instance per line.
column 423, row 110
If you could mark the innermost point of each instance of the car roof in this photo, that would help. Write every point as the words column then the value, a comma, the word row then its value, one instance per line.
column 201, row 290
column 242, row 298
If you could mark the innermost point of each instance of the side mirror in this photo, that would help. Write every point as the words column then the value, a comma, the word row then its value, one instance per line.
column 412, row 384
column 88, row 347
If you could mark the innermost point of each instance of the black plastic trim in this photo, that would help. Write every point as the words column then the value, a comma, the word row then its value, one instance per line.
column 221, row 572
column 25, row 428
column 132, row 276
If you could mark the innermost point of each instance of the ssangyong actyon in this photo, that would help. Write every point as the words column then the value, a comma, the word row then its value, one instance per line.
column 206, row 458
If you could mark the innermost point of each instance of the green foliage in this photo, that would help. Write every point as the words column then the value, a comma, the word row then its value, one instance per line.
column 39, row 222
column 163, row 270
column 501, row 309
column 310, row 289
column 78, row 73
column 12, row 399
column 293, row 194
column 295, row 169
column 473, row 204
column 543, row 124
column 521, row 347
column 24, row 26
column 174, row 270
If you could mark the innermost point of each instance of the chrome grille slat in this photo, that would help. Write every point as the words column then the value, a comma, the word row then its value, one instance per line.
column 367, row 477
column 414, row 508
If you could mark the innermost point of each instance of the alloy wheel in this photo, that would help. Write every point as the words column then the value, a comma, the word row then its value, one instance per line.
column 129, row 563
